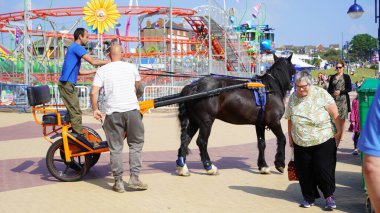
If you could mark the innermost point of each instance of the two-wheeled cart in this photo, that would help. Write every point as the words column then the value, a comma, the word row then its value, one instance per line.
column 70, row 156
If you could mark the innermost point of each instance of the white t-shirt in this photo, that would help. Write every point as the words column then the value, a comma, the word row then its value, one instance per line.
column 118, row 80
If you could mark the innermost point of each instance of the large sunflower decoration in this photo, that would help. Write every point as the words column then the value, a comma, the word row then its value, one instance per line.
column 101, row 14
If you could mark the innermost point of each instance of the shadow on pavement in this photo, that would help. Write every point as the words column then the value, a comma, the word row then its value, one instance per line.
column 349, row 194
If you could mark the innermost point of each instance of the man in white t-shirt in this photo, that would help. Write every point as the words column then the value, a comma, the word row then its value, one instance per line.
column 121, row 83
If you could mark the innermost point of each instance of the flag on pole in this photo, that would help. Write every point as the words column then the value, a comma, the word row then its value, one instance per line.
column 256, row 10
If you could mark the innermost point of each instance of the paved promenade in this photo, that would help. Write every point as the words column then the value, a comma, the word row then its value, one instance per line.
column 27, row 186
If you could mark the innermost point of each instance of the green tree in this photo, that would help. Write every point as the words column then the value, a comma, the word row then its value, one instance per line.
column 332, row 55
column 361, row 46
column 316, row 62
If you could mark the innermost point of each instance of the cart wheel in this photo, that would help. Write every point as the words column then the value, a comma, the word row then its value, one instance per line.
column 368, row 206
column 93, row 137
column 62, row 170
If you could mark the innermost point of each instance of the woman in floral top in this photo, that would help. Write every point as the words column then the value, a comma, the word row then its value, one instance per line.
column 312, row 117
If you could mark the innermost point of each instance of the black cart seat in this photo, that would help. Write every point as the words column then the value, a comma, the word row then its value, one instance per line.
column 39, row 95
column 51, row 118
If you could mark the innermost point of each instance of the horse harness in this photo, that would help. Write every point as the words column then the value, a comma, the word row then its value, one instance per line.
column 260, row 98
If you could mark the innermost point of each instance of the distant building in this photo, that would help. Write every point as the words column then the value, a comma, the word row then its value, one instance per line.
column 41, row 45
column 310, row 49
column 320, row 48
column 334, row 46
column 158, row 30
column 285, row 47
column 307, row 49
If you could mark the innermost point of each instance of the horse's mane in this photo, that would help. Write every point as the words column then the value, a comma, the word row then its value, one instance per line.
column 276, row 79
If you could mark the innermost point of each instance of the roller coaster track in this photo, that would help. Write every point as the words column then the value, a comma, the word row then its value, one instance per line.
column 78, row 11
column 7, row 18
column 200, row 25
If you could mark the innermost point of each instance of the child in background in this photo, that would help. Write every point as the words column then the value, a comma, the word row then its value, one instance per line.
column 355, row 122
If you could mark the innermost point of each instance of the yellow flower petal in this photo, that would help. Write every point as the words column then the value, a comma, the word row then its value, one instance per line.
column 113, row 13
column 109, row 23
column 113, row 21
column 111, row 2
column 89, row 23
column 113, row 7
column 105, row 26
column 95, row 25
column 90, row 18
column 88, row 10
column 88, row 13
column 93, row 4
column 97, row 4
column 89, row 5
column 101, row 3
column 106, row 4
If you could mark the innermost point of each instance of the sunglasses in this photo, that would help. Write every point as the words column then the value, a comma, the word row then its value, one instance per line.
column 339, row 67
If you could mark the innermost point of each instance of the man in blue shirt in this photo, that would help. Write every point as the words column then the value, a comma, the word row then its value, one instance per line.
column 70, row 71
column 369, row 143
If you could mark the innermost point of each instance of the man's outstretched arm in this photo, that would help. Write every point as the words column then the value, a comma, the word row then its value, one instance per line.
column 94, row 62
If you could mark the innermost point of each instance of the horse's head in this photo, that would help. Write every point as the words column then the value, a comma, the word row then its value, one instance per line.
column 284, row 70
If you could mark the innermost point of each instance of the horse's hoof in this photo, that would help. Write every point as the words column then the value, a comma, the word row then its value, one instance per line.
column 280, row 169
column 265, row 170
column 182, row 170
column 213, row 170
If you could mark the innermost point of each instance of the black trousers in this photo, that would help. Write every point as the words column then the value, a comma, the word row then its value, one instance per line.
column 356, row 138
column 315, row 168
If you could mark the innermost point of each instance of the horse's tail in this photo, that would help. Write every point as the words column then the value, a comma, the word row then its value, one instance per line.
column 184, row 121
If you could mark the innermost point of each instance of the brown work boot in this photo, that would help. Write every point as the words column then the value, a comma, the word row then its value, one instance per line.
column 119, row 185
column 135, row 183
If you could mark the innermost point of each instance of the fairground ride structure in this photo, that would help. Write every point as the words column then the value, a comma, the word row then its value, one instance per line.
column 214, row 48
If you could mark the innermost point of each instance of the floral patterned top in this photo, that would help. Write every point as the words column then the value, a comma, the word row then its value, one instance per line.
column 311, row 122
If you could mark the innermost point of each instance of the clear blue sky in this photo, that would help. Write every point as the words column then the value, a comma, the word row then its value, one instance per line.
column 297, row 22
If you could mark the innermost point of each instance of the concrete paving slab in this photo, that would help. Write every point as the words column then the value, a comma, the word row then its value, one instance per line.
column 27, row 186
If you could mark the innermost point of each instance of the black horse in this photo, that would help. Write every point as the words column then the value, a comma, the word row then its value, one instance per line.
column 236, row 107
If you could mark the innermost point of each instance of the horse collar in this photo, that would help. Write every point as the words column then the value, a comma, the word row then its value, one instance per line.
column 271, row 76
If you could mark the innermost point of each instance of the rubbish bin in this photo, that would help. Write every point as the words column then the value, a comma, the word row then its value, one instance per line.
column 366, row 94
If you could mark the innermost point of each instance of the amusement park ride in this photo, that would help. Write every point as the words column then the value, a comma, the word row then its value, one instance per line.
column 219, row 45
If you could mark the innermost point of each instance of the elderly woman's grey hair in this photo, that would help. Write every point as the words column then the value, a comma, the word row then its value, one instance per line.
column 304, row 76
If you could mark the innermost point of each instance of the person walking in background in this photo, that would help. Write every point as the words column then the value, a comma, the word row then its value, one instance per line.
column 369, row 144
column 320, row 79
column 339, row 87
column 70, row 70
column 314, row 139
column 355, row 122
column 121, row 83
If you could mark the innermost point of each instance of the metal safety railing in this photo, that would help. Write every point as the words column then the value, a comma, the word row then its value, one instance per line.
column 83, row 96
column 15, row 96
column 153, row 92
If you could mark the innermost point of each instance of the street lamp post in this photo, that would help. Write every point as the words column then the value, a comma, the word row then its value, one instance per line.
column 356, row 11
column 347, row 60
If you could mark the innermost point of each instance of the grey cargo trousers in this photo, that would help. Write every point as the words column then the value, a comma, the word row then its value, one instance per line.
column 116, row 126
